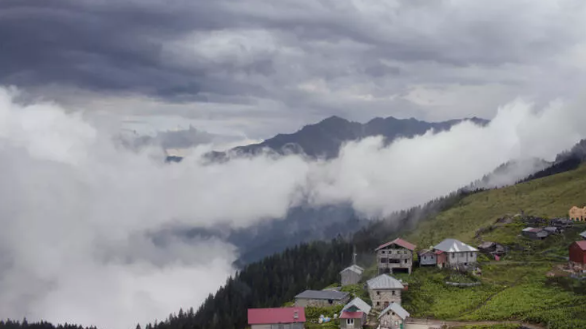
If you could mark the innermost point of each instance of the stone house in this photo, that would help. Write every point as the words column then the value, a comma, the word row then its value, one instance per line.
column 384, row 290
column 577, row 214
column 427, row 258
column 393, row 317
column 395, row 255
column 455, row 254
column 276, row 318
column 577, row 253
column 534, row 233
column 321, row 298
column 354, row 314
column 351, row 275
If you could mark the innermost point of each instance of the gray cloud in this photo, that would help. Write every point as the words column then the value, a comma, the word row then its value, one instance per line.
column 297, row 61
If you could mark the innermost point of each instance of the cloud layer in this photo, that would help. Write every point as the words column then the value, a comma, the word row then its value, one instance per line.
column 265, row 69
column 78, row 214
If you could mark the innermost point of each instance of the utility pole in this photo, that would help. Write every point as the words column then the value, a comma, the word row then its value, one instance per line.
column 354, row 255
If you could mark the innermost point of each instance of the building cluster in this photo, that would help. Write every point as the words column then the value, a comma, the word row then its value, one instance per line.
column 384, row 290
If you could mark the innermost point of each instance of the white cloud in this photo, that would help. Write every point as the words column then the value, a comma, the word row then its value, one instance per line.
column 76, row 212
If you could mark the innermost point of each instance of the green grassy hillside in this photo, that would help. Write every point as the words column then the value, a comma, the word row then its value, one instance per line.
column 546, row 197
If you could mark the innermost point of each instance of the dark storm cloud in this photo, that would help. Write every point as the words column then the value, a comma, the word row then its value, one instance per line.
column 297, row 58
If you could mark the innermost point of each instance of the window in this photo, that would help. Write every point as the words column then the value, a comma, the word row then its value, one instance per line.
column 377, row 303
column 424, row 257
column 453, row 255
column 405, row 261
column 382, row 252
column 378, row 293
column 349, row 321
column 393, row 293
column 383, row 260
column 471, row 254
column 330, row 301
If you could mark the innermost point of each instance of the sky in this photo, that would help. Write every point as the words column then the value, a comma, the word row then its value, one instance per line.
column 79, row 213
column 254, row 68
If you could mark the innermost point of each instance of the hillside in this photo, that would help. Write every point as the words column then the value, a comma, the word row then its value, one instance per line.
column 548, row 197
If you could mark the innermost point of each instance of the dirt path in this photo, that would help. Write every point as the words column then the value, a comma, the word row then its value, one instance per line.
column 425, row 323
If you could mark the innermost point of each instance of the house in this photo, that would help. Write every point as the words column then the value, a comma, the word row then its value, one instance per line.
column 393, row 317
column 383, row 290
column 577, row 214
column 354, row 314
column 276, row 318
column 583, row 235
column 351, row 275
column 427, row 258
column 395, row 255
column 492, row 248
column 552, row 230
column 534, row 233
column 455, row 254
column 578, row 256
column 321, row 298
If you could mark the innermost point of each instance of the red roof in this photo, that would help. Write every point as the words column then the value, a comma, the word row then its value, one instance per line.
column 275, row 315
column 581, row 244
column 351, row 315
column 399, row 242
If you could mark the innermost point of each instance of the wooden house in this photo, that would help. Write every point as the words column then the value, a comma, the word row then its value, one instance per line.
column 321, row 298
column 427, row 258
column 534, row 233
column 577, row 253
column 384, row 290
column 351, row 275
column 354, row 314
column 276, row 318
column 395, row 255
column 455, row 254
column 393, row 317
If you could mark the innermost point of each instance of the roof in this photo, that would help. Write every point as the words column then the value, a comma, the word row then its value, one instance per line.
column 322, row 294
column 351, row 315
column 353, row 268
column 453, row 245
column 581, row 244
column 425, row 251
column 532, row 229
column 275, row 315
column 486, row 245
column 400, row 311
column 359, row 304
column 583, row 234
column 399, row 242
column 384, row 281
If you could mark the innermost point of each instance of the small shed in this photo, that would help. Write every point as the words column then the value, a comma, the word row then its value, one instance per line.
column 351, row 275
column 427, row 258
column 351, row 320
column 577, row 253
column 553, row 230
column 583, row 235
column 393, row 317
column 534, row 233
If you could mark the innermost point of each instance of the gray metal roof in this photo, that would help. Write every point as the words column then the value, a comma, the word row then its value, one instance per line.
column 384, row 281
column 583, row 234
column 322, row 294
column 400, row 311
column 453, row 245
column 359, row 304
column 353, row 268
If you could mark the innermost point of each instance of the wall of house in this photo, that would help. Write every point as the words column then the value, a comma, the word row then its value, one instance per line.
column 303, row 302
column 577, row 255
column 461, row 258
column 386, row 256
column 350, row 277
column 260, row 326
column 577, row 214
column 390, row 320
column 387, row 295
column 358, row 323
column 427, row 259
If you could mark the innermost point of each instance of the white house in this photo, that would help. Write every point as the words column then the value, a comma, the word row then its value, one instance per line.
column 454, row 253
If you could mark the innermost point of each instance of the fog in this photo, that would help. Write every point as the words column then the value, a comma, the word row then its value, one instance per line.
column 77, row 211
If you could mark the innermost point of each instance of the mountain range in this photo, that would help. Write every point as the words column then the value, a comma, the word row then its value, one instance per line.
column 324, row 139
